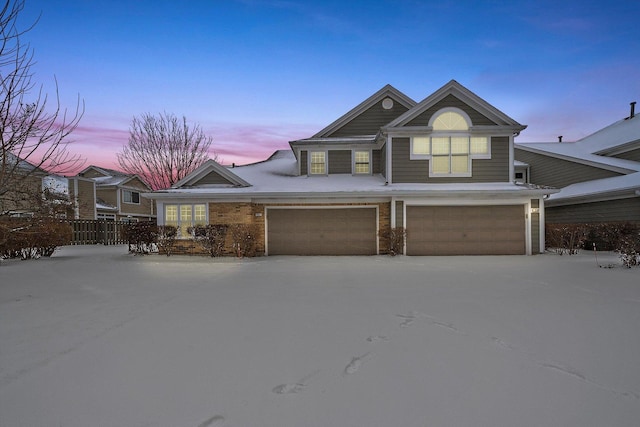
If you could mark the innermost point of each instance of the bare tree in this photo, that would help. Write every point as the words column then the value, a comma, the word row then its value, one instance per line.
column 33, row 134
column 163, row 149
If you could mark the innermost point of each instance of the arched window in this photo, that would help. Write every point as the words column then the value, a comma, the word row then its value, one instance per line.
column 450, row 147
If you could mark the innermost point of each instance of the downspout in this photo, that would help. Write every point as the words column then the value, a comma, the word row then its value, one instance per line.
column 512, row 158
column 389, row 161
column 76, row 203
column 542, row 225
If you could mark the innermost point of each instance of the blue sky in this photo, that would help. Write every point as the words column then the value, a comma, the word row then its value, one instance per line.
column 256, row 74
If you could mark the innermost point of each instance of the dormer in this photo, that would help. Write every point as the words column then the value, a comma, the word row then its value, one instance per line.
column 352, row 144
column 451, row 136
column 211, row 174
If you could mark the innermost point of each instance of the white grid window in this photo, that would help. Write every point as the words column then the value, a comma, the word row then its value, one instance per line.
column 184, row 216
column 362, row 164
column 450, row 149
column 318, row 160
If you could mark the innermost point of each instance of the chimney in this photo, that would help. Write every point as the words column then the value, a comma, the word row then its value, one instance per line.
column 560, row 138
column 633, row 109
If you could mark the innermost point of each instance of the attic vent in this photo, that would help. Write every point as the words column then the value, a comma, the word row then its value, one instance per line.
column 632, row 113
column 387, row 103
column 560, row 138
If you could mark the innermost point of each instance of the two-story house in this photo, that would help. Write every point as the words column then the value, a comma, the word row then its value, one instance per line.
column 442, row 168
column 118, row 195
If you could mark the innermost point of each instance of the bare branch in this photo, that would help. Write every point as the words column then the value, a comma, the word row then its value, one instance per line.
column 34, row 132
column 163, row 149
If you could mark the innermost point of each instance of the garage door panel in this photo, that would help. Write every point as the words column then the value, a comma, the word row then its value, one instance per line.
column 338, row 231
column 465, row 230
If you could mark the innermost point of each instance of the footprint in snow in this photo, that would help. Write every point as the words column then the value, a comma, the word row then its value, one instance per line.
column 377, row 338
column 215, row 421
column 355, row 364
column 294, row 388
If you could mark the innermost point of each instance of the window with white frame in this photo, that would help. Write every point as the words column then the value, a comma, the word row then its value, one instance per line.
column 361, row 162
column 183, row 216
column 318, row 163
column 131, row 196
column 450, row 147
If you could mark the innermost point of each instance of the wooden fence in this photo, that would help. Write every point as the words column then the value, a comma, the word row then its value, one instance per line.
column 91, row 232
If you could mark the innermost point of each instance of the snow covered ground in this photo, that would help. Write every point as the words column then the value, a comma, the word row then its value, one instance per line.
column 96, row 337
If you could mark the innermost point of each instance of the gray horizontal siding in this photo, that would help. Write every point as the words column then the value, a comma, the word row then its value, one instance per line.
column 370, row 121
column 376, row 166
column 607, row 211
column 547, row 170
column 383, row 160
column 476, row 117
column 495, row 169
column 339, row 161
column 303, row 162
column 399, row 213
column 213, row 178
column 630, row 155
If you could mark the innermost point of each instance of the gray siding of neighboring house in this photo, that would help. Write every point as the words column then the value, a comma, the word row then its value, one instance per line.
column 547, row 170
column 495, row 169
column 630, row 155
column 213, row 178
column 376, row 166
column 370, row 121
column 535, row 228
column 607, row 211
column 303, row 162
column 339, row 161
column 450, row 101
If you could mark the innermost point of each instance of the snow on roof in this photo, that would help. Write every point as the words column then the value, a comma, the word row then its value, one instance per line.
column 101, row 204
column 111, row 180
column 614, row 135
column 616, row 184
column 576, row 152
column 278, row 175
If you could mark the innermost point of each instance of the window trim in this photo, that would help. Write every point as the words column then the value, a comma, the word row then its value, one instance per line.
column 443, row 133
column 310, row 164
column 354, row 163
column 178, row 223
column 131, row 192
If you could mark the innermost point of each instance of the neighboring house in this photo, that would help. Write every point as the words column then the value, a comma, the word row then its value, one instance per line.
column 118, row 195
column 442, row 168
column 33, row 189
column 598, row 176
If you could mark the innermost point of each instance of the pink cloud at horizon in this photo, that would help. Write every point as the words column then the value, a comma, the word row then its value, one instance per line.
column 232, row 142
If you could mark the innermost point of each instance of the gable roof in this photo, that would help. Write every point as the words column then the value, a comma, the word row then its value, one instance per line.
column 387, row 91
column 111, row 177
column 465, row 95
column 211, row 166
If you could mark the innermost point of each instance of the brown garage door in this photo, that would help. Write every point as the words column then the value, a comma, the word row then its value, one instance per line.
column 465, row 230
column 349, row 231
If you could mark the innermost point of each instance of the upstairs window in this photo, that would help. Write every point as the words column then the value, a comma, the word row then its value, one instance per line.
column 131, row 197
column 450, row 147
column 361, row 162
column 318, row 163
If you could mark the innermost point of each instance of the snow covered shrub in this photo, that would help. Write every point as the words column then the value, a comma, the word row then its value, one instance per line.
column 167, row 238
column 211, row 237
column 566, row 238
column 141, row 236
column 33, row 237
column 394, row 239
column 623, row 238
column 244, row 237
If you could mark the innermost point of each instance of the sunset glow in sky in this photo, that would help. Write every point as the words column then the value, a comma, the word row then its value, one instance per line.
column 256, row 74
